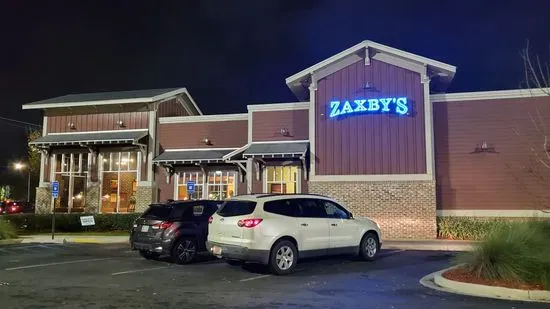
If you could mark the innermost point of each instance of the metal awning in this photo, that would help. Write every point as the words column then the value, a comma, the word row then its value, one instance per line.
column 90, row 138
column 192, row 156
column 283, row 149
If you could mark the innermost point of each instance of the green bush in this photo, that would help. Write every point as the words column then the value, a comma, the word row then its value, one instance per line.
column 517, row 251
column 7, row 230
column 470, row 228
column 66, row 223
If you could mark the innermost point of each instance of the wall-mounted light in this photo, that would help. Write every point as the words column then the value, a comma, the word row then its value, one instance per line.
column 285, row 132
column 206, row 141
column 484, row 147
column 71, row 125
column 120, row 124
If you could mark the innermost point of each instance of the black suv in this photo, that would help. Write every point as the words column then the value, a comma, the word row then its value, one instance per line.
column 175, row 228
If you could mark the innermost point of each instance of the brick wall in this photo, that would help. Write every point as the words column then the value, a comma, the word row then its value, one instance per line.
column 403, row 209
column 92, row 198
column 43, row 201
column 144, row 197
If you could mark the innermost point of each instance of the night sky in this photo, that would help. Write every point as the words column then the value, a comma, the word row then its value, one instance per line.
column 232, row 53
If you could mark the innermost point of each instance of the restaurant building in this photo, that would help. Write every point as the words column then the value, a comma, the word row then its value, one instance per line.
column 372, row 127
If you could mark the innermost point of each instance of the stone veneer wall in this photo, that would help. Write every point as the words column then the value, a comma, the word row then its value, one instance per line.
column 92, row 198
column 43, row 203
column 144, row 197
column 403, row 209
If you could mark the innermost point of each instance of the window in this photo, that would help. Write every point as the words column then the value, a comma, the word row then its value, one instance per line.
column 183, row 178
column 71, row 171
column 119, row 179
column 334, row 211
column 236, row 208
column 221, row 184
column 309, row 208
column 283, row 207
column 281, row 179
column 158, row 212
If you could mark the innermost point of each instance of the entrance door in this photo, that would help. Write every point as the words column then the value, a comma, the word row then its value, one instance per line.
column 71, row 172
column 79, row 193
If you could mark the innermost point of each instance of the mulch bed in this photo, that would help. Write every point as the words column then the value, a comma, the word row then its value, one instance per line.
column 462, row 275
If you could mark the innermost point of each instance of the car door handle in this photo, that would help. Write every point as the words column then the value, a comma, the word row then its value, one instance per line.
column 304, row 224
column 333, row 224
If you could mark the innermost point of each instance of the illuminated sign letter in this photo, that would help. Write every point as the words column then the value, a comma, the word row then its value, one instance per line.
column 374, row 105
column 385, row 104
column 334, row 111
column 401, row 107
column 346, row 109
column 360, row 106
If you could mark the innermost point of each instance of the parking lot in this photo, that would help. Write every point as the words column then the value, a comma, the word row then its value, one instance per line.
column 111, row 276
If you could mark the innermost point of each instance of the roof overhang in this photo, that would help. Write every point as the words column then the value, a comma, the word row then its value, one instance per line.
column 276, row 150
column 192, row 156
column 51, row 103
column 131, row 137
column 299, row 82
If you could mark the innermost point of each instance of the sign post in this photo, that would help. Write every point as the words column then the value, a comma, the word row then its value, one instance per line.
column 55, row 195
column 190, row 188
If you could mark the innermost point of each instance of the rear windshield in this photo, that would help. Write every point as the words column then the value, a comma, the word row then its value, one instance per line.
column 236, row 208
column 158, row 212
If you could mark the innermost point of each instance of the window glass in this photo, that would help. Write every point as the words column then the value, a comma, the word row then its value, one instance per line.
column 84, row 162
column 309, row 208
column 281, row 179
column 333, row 210
column 283, row 207
column 66, row 163
column 124, row 161
column 158, row 212
column 236, row 208
column 133, row 161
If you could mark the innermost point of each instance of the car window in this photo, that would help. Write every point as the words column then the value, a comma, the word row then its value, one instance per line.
column 287, row 207
column 309, row 208
column 236, row 208
column 158, row 211
column 333, row 210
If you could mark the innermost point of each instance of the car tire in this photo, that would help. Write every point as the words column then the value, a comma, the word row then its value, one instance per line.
column 369, row 247
column 283, row 258
column 149, row 255
column 184, row 251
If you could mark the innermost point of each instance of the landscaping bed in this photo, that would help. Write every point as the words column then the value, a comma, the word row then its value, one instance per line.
column 463, row 275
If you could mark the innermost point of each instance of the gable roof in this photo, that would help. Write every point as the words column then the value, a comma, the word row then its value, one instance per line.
column 299, row 82
column 114, row 97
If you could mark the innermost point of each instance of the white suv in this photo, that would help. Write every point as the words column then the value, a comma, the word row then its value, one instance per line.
column 276, row 230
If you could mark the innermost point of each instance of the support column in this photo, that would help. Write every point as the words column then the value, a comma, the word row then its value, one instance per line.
column 249, row 172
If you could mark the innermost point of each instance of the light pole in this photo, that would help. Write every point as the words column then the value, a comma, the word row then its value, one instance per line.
column 20, row 166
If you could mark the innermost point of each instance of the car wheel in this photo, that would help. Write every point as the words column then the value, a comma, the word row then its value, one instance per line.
column 184, row 251
column 149, row 254
column 283, row 258
column 369, row 246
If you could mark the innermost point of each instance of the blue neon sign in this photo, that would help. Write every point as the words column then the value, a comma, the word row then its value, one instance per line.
column 398, row 106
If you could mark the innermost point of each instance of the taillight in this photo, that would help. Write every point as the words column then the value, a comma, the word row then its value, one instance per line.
column 13, row 208
column 249, row 223
column 163, row 225
column 210, row 220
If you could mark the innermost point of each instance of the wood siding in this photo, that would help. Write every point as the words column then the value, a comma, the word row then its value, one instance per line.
column 370, row 144
column 171, row 108
column 266, row 126
column 166, row 190
column 513, row 178
column 98, row 122
column 222, row 134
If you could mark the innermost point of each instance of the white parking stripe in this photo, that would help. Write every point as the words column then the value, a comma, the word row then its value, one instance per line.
column 137, row 270
column 56, row 263
column 3, row 250
column 255, row 278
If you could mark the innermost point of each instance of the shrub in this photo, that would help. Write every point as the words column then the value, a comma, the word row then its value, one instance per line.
column 7, row 230
column 470, row 228
column 517, row 251
column 32, row 223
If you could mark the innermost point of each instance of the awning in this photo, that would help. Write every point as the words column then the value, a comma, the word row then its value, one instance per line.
column 192, row 156
column 90, row 138
column 283, row 149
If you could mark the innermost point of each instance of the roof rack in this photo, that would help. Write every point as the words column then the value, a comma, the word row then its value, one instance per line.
column 264, row 195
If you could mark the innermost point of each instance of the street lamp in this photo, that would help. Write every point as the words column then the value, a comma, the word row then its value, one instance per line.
column 20, row 166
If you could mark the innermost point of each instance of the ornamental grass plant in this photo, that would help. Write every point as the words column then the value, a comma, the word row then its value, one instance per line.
column 7, row 230
column 516, row 252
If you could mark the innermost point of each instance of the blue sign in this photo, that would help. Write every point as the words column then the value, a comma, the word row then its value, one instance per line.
column 398, row 106
column 190, row 186
column 55, row 189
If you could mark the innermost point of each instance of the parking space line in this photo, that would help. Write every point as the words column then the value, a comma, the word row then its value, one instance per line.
column 255, row 278
column 56, row 263
column 26, row 248
column 3, row 250
column 137, row 270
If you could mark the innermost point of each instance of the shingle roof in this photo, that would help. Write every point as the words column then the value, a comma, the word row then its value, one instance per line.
column 276, row 149
column 192, row 156
column 90, row 138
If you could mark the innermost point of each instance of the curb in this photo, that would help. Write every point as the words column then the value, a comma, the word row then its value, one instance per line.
column 479, row 290
column 435, row 246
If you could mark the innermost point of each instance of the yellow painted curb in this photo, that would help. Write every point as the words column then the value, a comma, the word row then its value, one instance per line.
column 84, row 241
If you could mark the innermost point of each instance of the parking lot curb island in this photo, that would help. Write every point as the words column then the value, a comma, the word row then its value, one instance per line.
column 489, row 291
column 432, row 244
column 62, row 239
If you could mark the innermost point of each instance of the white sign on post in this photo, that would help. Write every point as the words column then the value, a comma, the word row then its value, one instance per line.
column 87, row 220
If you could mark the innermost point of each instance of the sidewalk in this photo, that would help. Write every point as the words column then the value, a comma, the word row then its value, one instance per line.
column 429, row 244
column 64, row 238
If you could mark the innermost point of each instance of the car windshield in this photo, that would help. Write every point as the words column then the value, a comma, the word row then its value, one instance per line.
column 157, row 211
column 236, row 208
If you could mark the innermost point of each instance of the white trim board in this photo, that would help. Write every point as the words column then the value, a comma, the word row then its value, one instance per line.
column 280, row 142
column 197, row 149
column 374, row 178
column 278, row 107
column 94, row 132
column 204, row 118
column 490, row 95
column 527, row 213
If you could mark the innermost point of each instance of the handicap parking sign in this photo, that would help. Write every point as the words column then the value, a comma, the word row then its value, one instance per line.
column 55, row 189
column 190, row 186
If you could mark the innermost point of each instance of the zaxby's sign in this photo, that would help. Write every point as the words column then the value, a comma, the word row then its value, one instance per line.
column 397, row 106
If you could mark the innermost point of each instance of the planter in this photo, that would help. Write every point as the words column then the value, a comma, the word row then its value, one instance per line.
column 489, row 291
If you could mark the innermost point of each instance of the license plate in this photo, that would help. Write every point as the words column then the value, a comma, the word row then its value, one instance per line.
column 145, row 228
column 216, row 250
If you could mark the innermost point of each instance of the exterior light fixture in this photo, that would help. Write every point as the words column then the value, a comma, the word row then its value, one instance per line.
column 206, row 141
column 71, row 125
column 120, row 124
column 484, row 147
column 285, row 132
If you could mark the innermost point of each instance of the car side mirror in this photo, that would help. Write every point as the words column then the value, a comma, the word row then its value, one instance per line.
column 350, row 215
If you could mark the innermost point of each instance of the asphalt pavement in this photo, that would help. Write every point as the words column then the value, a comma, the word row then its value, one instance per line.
column 111, row 276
